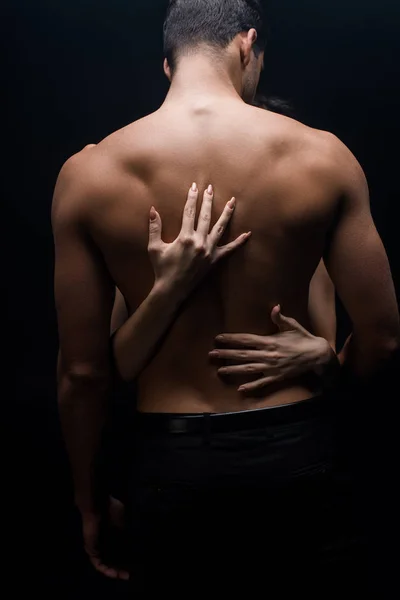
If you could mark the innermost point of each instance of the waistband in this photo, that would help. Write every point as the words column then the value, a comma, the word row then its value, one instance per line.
column 226, row 422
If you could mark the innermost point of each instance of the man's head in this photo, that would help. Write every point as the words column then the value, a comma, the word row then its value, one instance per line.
column 225, row 30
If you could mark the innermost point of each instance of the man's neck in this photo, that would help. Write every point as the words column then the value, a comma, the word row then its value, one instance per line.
column 197, row 77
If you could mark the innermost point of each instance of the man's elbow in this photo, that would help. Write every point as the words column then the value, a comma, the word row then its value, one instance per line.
column 380, row 352
column 389, row 348
column 370, row 351
column 84, row 376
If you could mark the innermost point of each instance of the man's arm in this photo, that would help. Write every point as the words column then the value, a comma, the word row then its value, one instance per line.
column 359, row 267
column 84, row 295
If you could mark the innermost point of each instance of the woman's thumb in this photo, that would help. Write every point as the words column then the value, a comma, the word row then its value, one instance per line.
column 154, row 227
column 279, row 320
column 276, row 314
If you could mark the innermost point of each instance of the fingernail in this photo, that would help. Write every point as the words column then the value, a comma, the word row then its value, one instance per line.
column 214, row 353
column 232, row 202
column 153, row 214
column 241, row 389
column 220, row 338
column 248, row 234
column 210, row 189
column 194, row 187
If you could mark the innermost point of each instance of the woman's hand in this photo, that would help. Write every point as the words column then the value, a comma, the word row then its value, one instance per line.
column 290, row 353
column 187, row 260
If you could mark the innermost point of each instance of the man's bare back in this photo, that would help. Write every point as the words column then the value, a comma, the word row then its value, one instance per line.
column 281, row 174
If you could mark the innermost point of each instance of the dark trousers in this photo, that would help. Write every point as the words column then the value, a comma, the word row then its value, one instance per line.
column 264, row 509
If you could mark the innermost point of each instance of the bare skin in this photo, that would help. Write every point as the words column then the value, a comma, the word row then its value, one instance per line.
column 250, row 302
column 299, row 350
column 303, row 185
column 300, row 192
column 178, row 268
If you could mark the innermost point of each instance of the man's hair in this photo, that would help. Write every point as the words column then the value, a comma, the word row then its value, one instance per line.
column 214, row 23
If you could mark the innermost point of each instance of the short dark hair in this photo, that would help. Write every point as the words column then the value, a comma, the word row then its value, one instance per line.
column 212, row 22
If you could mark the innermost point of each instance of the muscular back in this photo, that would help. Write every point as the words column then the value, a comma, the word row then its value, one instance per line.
column 278, row 170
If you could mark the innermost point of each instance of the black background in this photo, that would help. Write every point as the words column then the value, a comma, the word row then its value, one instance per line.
column 77, row 70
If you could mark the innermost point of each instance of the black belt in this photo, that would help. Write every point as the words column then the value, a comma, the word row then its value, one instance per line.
column 225, row 422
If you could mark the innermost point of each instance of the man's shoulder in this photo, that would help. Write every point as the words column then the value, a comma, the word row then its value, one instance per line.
column 292, row 137
column 320, row 152
column 100, row 162
column 98, row 172
column 307, row 140
column 82, row 178
column 326, row 145
column 312, row 157
column 131, row 138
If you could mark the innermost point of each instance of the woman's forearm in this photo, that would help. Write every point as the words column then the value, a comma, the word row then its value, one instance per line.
column 327, row 364
column 134, row 343
column 344, row 353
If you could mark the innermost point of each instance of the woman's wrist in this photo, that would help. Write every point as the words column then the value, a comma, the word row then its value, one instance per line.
column 135, row 341
column 168, row 291
column 326, row 359
column 324, row 351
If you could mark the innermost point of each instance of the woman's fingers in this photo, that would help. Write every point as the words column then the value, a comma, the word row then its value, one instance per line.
column 224, row 251
column 203, row 225
column 241, row 340
column 259, row 384
column 155, row 229
column 219, row 228
column 248, row 369
column 239, row 355
column 189, row 212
